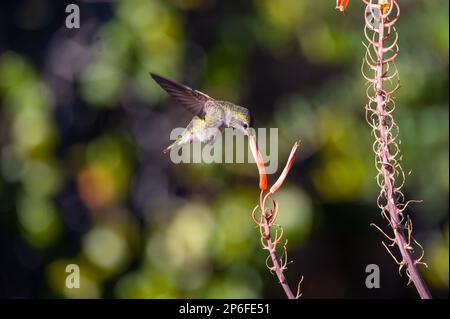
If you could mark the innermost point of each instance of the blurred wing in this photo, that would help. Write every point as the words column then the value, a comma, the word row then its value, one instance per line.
column 191, row 99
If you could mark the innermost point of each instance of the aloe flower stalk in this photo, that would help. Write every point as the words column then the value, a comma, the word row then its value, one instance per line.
column 267, row 217
column 381, row 73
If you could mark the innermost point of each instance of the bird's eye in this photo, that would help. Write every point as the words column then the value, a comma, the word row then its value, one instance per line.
column 245, row 125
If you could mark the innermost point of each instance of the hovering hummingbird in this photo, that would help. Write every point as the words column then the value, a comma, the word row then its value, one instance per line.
column 210, row 116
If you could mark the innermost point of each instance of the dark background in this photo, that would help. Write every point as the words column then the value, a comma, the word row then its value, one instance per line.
column 82, row 125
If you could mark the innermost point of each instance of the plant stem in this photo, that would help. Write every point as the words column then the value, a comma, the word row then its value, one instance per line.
column 394, row 213
column 273, row 255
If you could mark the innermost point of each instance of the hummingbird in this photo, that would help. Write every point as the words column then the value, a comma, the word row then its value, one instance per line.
column 211, row 116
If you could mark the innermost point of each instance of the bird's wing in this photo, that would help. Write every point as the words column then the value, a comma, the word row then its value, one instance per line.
column 191, row 99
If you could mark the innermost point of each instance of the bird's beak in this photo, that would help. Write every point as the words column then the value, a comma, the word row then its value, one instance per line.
column 250, row 132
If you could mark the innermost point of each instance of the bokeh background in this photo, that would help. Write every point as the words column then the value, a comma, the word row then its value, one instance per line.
column 82, row 125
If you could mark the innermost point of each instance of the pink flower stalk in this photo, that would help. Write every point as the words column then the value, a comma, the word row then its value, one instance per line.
column 268, row 216
column 380, row 71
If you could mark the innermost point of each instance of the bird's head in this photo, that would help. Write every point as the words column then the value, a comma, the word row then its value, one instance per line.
column 243, row 120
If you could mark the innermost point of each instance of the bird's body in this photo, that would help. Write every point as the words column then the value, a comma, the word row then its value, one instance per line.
column 211, row 116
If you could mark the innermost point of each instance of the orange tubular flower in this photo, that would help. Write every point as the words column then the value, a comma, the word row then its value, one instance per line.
column 286, row 169
column 259, row 162
column 384, row 6
column 341, row 5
